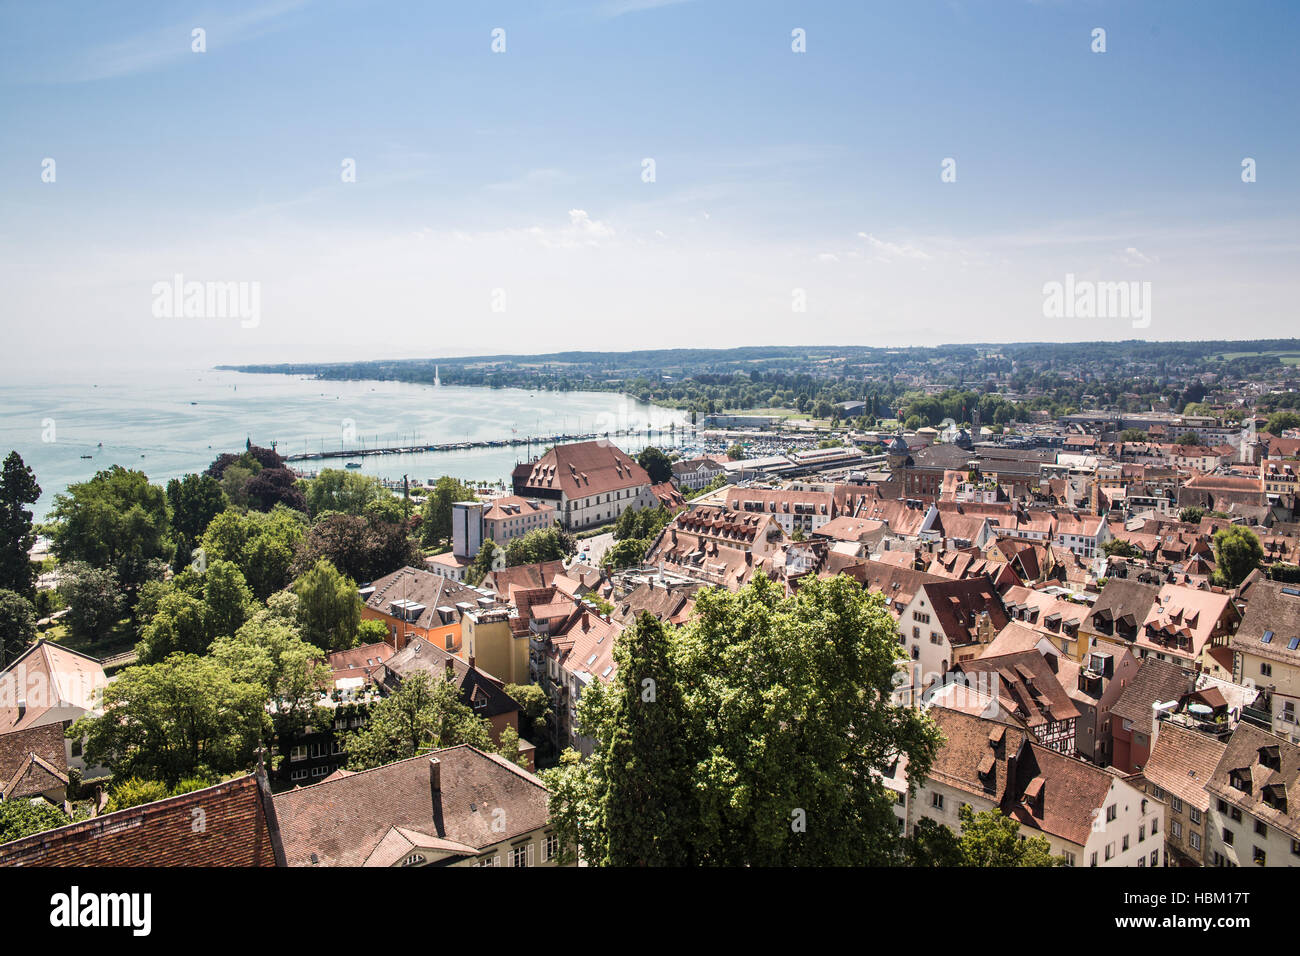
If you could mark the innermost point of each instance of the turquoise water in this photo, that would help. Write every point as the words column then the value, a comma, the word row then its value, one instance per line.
column 168, row 423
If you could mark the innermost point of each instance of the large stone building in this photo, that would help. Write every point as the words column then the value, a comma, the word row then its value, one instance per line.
column 590, row 483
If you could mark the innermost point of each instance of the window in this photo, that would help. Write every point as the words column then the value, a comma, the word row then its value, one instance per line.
column 1155, row 826
column 1094, row 858
column 1124, row 848
column 1175, row 828
column 1259, row 856
column 299, row 774
column 298, row 753
column 1110, row 850
column 1193, row 815
column 1260, row 828
column 552, row 847
column 1228, row 836
column 1155, row 857
column 521, row 855
column 1266, row 670
column 1069, row 858
column 1175, row 805
column 1142, row 833
column 1112, row 812
column 936, row 800
column 1194, row 839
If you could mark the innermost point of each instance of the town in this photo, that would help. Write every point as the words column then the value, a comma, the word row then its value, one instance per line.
column 964, row 614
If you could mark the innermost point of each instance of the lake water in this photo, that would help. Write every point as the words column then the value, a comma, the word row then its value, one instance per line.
column 168, row 423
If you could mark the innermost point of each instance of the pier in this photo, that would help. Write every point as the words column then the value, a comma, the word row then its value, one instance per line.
column 412, row 449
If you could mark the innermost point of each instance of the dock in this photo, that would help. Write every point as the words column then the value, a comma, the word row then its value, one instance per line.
column 364, row 452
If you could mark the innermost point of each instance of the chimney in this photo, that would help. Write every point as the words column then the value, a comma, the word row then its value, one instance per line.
column 22, row 707
column 435, row 777
column 471, row 662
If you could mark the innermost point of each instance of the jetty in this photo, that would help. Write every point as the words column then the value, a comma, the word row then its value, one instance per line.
column 412, row 449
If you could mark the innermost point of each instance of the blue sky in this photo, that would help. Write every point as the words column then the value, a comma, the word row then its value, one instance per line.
column 521, row 171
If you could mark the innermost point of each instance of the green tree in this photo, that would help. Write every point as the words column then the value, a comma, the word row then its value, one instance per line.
column 1117, row 547
column 646, row 763
column 422, row 714
column 18, row 488
column 1192, row 515
column 933, row 844
column 179, row 718
column 541, row 544
column 134, row 792
column 1237, row 552
column 656, row 464
column 435, row 525
column 263, row 545
column 1133, row 434
column 481, row 566
column 227, row 597
column 345, row 492
column 989, row 838
column 269, row 651
column 628, row 553
column 1188, row 438
column 17, row 626
column 786, row 725
column 534, row 707
column 179, row 625
column 20, row 818
column 195, row 500
column 736, row 452
column 509, row 747
column 116, row 520
column 1279, row 422
column 329, row 609
column 94, row 600
column 361, row 548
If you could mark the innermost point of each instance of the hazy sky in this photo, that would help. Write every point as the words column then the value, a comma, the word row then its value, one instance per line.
column 501, row 205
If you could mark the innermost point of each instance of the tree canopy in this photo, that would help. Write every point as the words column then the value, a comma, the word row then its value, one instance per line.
column 781, row 717
column 116, row 520
column 18, row 488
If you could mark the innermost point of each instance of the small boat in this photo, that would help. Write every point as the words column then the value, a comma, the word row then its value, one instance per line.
column 353, row 464
column 87, row 456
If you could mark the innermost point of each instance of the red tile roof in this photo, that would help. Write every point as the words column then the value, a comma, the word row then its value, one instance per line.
column 223, row 825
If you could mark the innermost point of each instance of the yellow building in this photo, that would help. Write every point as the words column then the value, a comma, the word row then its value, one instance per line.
column 489, row 642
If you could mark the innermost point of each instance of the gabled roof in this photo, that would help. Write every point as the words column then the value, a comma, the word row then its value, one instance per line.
column 1154, row 682
column 48, row 676
column 1272, row 612
column 582, row 469
column 480, row 800
column 1182, row 763
column 1260, row 773
column 237, row 830
column 1027, row 686
column 1058, row 794
column 17, row 747
column 523, row 576
column 977, row 754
